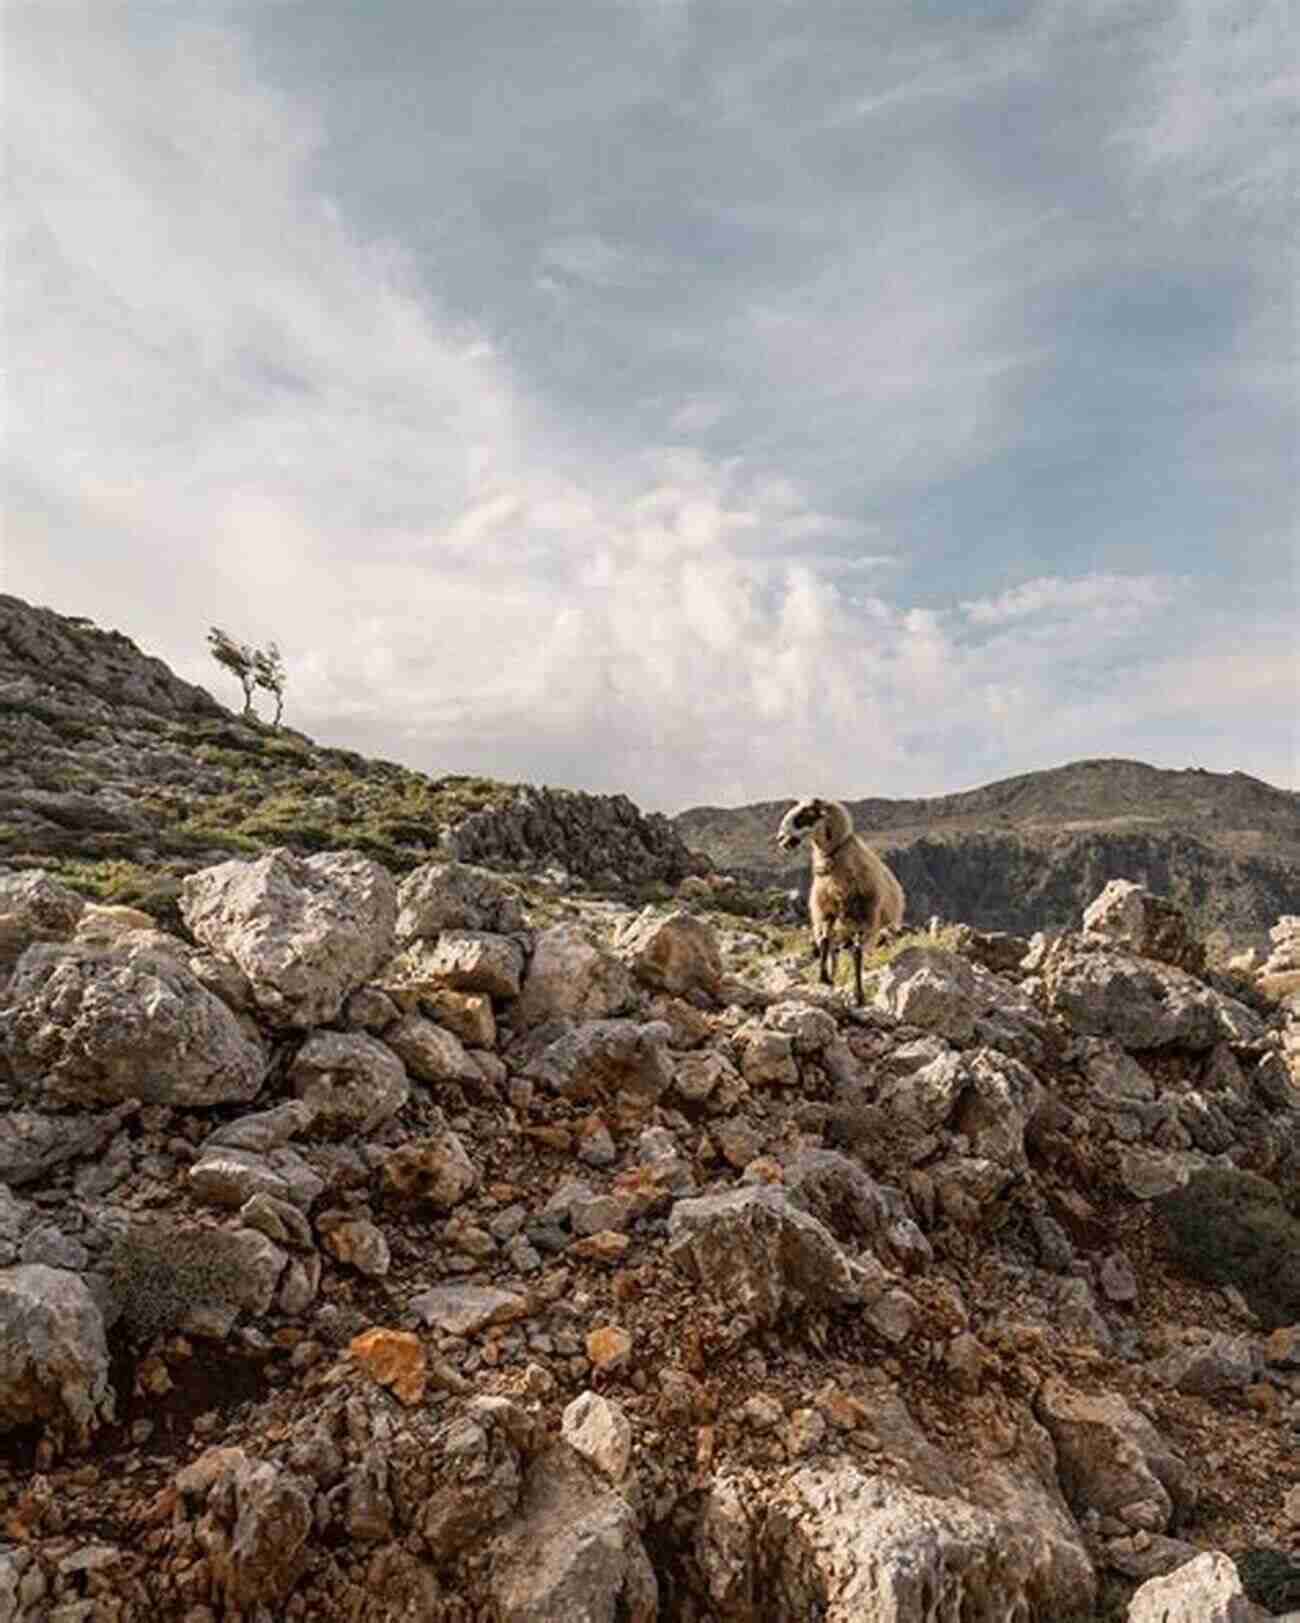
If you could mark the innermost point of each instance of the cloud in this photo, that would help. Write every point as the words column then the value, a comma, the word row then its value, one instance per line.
column 676, row 524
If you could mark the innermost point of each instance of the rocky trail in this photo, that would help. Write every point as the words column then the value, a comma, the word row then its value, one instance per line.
column 464, row 1248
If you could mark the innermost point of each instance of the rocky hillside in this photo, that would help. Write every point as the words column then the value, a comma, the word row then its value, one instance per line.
column 461, row 1250
column 122, row 779
column 1030, row 852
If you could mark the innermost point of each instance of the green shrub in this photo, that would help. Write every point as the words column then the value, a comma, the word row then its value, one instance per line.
column 1271, row 1578
column 158, row 1272
column 1227, row 1227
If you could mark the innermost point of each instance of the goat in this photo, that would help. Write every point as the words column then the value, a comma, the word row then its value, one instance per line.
column 851, row 886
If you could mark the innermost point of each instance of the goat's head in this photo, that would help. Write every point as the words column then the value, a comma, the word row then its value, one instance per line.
column 802, row 818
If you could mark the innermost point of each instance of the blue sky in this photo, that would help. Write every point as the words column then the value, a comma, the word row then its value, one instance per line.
column 712, row 402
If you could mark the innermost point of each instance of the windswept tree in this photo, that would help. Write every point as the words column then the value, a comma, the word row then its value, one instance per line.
column 239, row 658
column 270, row 675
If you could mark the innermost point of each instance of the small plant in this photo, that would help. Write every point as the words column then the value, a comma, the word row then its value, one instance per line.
column 1228, row 1227
column 158, row 1272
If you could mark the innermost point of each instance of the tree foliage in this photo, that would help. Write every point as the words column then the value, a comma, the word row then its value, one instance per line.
column 251, row 667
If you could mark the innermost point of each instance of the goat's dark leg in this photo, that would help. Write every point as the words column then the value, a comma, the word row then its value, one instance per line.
column 857, row 970
column 826, row 958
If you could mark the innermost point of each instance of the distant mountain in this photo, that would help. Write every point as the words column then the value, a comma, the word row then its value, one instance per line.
column 1030, row 852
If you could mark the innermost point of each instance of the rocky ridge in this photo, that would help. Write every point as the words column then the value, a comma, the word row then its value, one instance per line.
column 1029, row 853
column 123, row 778
column 454, row 1248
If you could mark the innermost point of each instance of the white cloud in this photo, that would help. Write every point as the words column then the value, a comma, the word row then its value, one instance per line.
column 238, row 407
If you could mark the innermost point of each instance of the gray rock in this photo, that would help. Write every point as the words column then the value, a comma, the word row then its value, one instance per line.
column 756, row 1255
column 455, row 896
column 613, row 1055
column 463, row 1310
column 1111, row 1459
column 570, row 979
column 1141, row 1003
column 263, row 1130
column 169, row 1274
column 436, row 1170
column 351, row 1083
column 572, row 1553
column 83, row 1025
column 53, row 1351
column 431, row 1053
column 225, row 1177
column 1221, row 1364
column 306, row 932
column 255, row 1520
column 857, row 1209
column 32, row 1144
column 1152, row 926
column 675, row 953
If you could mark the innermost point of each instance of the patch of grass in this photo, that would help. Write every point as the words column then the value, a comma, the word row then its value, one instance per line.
column 1227, row 1227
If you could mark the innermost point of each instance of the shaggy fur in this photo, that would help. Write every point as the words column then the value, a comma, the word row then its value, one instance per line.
column 852, row 889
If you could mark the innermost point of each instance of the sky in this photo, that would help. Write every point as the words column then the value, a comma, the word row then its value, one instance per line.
column 707, row 400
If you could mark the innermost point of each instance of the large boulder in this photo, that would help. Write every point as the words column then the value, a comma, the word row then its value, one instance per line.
column 570, row 979
column 1141, row 1003
column 458, row 961
column 755, row 1255
column 306, row 931
column 86, row 1024
column 1151, row 926
column 53, row 1351
column 844, row 1547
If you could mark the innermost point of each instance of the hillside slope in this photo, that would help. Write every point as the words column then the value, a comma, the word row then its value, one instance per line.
column 1030, row 852
column 122, row 778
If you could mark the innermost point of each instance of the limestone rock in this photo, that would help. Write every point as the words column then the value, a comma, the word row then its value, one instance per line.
column 844, row 1546
column 1141, row 1003
column 87, row 1024
column 53, row 1351
column 600, row 1055
column 811, row 1029
column 467, row 1015
column 1221, row 1364
column 756, row 1255
column 570, row 979
column 350, row 1082
column 361, row 1245
column 252, row 1521
column 34, row 907
column 463, row 1310
column 455, row 896
column 1206, row 1590
column 262, row 1130
column 435, row 1169
column 675, row 953
column 305, row 931
column 709, row 1078
column 1148, row 925
column 767, row 1058
column 1112, row 1460
column 459, row 961
column 572, row 1553
column 430, row 1052
column 165, row 1274
column 598, row 1429
column 480, row 1457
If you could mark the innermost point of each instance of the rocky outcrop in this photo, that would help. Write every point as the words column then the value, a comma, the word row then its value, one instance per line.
column 623, row 1288
column 600, row 838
